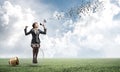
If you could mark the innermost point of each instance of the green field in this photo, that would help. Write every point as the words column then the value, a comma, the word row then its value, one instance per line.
column 63, row 65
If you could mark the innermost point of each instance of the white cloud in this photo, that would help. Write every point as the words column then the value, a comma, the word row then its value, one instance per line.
column 91, row 32
column 5, row 19
column 13, row 20
column 58, row 15
column 117, row 39
column 91, row 36
column 97, row 29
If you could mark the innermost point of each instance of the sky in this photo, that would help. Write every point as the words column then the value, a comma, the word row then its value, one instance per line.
column 75, row 28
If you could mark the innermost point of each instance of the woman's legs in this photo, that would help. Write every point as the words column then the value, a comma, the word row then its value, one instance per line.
column 35, row 53
column 37, row 50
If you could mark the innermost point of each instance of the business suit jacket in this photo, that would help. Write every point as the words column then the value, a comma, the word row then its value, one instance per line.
column 35, row 35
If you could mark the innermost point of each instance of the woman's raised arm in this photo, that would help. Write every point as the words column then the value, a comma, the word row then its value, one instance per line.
column 25, row 30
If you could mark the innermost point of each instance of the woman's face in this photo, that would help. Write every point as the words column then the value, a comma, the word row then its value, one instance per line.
column 36, row 25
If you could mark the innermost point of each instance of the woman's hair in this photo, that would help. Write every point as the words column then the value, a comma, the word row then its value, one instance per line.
column 34, row 24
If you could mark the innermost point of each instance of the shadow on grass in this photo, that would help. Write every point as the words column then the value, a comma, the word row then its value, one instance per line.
column 35, row 65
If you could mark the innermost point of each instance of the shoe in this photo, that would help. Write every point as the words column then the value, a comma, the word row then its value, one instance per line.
column 35, row 60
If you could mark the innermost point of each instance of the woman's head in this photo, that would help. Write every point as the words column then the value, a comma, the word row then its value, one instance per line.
column 35, row 25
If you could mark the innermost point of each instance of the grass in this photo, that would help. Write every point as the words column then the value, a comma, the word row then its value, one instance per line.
column 63, row 65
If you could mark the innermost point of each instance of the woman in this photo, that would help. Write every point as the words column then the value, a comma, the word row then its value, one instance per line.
column 35, row 42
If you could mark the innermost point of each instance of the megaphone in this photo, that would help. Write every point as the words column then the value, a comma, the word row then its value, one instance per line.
column 40, row 23
column 44, row 21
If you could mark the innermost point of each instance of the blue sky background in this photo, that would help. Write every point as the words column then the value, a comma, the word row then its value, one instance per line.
column 62, row 4
column 93, row 32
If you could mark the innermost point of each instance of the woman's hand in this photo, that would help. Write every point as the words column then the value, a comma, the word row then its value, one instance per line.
column 43, row 24
column 26, row 27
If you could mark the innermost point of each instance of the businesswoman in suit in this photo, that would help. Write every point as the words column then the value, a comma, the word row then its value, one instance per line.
column 35, row 42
